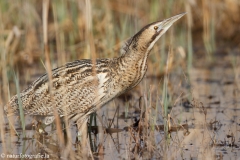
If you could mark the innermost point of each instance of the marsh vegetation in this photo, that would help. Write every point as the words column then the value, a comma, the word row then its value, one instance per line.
column 186, row 107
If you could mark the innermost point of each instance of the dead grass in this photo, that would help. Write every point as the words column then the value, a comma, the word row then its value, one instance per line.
column 56, row 32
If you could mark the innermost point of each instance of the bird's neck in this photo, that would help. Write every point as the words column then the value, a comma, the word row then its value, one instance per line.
column 133, row 65
column 137, row 58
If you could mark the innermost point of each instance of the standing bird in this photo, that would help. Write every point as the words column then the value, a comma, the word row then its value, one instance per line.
column 81, row 87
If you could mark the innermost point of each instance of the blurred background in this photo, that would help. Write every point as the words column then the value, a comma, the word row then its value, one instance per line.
column 199, row 87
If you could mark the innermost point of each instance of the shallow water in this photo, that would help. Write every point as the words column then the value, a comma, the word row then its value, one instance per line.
column 207, row 101
column 209, row 104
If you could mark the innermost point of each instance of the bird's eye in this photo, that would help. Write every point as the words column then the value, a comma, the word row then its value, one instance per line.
column 155, row 27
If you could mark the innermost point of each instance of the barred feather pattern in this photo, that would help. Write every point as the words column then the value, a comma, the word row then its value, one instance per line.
column 81, row 87
column 76, row 91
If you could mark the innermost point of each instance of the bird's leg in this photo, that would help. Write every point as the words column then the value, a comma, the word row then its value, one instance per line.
column 68, row 146
column 82, row 135
column 82, row 129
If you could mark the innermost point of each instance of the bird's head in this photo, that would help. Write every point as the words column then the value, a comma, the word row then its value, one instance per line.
column 144, row 40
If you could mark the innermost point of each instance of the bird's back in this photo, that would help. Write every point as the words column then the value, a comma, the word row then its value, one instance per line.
column 76, row 88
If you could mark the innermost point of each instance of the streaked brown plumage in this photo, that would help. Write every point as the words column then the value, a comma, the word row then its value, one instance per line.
column 78, row 91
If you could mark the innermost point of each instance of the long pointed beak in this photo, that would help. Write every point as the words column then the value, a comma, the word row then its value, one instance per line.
column 165, row 24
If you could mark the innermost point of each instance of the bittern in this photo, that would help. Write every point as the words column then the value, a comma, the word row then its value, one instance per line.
column 79, row 88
